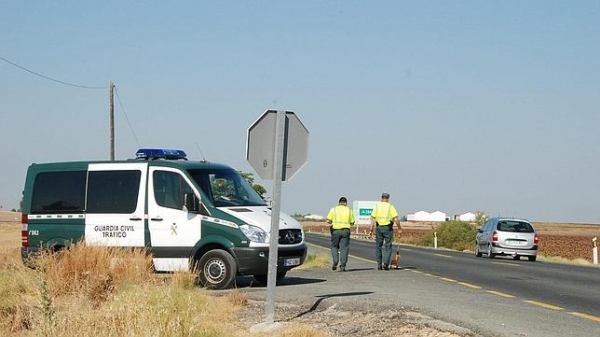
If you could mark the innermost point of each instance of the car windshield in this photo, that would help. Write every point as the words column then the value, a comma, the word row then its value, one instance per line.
column 514, row 226
column 226, row 187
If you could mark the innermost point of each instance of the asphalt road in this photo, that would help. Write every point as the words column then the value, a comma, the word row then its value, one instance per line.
column 488, row 297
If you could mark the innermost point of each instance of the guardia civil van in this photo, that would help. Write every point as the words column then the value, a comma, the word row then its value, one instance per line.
column 190, row 215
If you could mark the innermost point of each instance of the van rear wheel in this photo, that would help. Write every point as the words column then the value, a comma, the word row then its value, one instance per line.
column 216, row 269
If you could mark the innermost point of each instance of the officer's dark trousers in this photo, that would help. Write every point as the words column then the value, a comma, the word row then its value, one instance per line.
column 383, row 245
column 340, row 243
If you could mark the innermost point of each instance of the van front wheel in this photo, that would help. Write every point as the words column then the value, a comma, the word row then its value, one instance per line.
column 216, row 269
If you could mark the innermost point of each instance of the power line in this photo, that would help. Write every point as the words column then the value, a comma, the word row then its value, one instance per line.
column 50, row 78
column 126, row 117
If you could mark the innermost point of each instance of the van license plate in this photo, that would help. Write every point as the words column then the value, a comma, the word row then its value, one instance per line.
column 291, row 262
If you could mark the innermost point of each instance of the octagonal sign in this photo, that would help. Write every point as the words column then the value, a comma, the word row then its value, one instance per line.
column 261, row 145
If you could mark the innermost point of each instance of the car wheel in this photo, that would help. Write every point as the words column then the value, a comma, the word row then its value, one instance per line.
column 264, row 278
column 216, row 269
column 477, row 251
column 490, row 255
column 532, row 258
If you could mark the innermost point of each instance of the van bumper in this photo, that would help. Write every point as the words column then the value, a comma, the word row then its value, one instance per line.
column 255, row 260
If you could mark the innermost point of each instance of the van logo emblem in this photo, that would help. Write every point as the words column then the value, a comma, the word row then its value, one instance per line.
column 289, row 237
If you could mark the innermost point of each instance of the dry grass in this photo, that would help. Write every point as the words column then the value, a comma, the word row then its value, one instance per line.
column 558, row 259
column 98, row 291
column 94, row 291
column 317, row 260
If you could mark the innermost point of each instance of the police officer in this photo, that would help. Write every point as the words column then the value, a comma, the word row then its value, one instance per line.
column 384, row 217
column 341, row 219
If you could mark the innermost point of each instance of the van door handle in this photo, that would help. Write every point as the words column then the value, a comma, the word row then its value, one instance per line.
column 156, row 219
column 135, row 219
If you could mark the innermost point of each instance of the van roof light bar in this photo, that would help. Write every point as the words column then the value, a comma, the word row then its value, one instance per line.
column 152, row 154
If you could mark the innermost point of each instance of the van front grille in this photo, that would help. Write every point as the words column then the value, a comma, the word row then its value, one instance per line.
column 290, row 236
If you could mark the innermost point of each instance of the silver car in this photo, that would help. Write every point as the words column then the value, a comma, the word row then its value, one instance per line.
column 507, row 236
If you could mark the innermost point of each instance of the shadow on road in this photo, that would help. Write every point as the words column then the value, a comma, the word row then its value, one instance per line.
column 250, row 282
column 324, row 297
column 358, row 269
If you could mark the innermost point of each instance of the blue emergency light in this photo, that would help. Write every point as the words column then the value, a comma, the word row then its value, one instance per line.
column 151, row 154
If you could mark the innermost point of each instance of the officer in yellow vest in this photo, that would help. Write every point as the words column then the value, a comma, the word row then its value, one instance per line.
column 384, row 217
column 341, row 219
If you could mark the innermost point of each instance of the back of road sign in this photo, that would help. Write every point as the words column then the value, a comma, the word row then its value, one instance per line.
column 260, row 145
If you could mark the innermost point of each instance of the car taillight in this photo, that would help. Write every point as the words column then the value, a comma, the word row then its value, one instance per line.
column 495, row 236
column 24, row 238
column 535, row 239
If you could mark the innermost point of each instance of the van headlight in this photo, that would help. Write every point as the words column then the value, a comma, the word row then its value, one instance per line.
column 254, row 234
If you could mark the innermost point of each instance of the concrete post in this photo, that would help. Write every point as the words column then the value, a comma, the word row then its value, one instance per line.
column 595, row 250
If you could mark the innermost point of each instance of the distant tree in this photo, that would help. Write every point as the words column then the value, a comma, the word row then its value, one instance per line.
column 480, row 218
column 249, row 177
column 298, row 216
column 453, row 234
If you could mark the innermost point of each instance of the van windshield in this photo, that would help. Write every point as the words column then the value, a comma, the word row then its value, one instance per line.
column 226, row 187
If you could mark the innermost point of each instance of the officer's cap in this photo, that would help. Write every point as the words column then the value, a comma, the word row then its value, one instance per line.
column 385, row 196
column 343, row 199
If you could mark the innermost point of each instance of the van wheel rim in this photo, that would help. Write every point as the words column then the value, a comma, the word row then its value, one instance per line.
column 215, row 271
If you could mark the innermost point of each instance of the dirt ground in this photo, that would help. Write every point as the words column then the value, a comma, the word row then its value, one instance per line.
column 332, row 321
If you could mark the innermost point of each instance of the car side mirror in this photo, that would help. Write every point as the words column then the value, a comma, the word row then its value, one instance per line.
column 191, row 203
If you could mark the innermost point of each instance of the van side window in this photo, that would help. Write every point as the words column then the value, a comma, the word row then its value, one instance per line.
column 113, row 191
column 59, row 192
column 169, row 189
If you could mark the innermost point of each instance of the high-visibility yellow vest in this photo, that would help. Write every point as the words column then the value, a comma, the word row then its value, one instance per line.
column 341, row 216
column 383, row 213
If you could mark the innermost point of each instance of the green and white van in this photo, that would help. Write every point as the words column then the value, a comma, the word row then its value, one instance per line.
column 190, row 215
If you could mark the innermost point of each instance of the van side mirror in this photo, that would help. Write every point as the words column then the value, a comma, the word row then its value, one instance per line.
column 191, row 203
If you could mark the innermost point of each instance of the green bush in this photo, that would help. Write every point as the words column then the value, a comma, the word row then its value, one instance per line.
column 455, row 235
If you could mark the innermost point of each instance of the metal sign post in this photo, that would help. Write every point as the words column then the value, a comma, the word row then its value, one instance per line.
column 274, row 238
column 277, row 148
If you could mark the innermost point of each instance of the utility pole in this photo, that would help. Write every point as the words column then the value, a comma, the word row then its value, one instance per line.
column 111, row 88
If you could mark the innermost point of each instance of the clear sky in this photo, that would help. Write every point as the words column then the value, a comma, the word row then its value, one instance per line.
column 454, row 106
